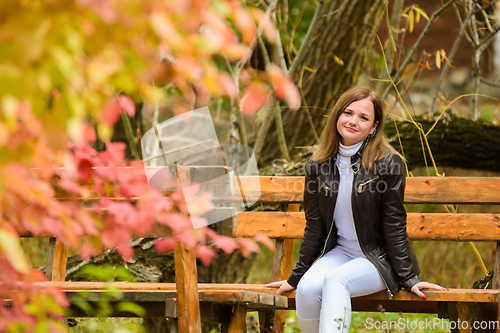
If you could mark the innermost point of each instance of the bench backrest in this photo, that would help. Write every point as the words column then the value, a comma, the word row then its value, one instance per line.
column 419, row 190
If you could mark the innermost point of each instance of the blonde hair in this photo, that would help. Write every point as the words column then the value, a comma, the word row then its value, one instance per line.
column 377, row 146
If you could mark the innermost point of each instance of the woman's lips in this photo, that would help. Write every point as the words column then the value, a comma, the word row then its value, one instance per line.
column 350, row 129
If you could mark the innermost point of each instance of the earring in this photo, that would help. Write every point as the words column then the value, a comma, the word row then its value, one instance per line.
column 374, row 131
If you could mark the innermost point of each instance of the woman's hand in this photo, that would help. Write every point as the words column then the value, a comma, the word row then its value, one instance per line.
column 425, row 285
column 282, row 285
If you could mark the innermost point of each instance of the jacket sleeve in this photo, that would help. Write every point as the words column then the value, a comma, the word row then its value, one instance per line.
column 315, row 230
column 393, row 218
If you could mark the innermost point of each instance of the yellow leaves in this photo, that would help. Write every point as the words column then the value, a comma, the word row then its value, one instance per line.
column 104, row 65
column 438, row 60
column 9, row 106
column 164, row 28
column 11, row 248
column 105, row 132
column 44, row 82
column 412, row 14
column 411, row 21
column 439, row 57
column 338, row 60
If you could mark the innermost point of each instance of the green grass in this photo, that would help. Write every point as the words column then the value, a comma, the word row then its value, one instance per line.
column 108, row 325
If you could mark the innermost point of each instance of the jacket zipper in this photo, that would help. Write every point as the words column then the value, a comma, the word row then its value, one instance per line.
column 357, row 239
column 360, row 186
column 326, row 187
column 327, row 237
column 331, row 227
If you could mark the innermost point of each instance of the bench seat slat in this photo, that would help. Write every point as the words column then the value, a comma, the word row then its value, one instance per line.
column 420, row 226
column 453, row 295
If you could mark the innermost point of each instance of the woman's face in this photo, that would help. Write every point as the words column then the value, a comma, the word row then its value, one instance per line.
column 356, row 122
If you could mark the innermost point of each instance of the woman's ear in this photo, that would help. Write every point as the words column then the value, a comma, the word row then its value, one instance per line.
column 374, row 128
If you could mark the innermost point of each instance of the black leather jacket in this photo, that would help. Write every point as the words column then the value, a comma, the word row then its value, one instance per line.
column 378, row 213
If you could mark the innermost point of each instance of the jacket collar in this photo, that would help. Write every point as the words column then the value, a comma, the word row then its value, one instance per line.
column 356, row 158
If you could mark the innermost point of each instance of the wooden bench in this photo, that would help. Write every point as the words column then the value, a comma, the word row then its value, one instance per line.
column 227, row 303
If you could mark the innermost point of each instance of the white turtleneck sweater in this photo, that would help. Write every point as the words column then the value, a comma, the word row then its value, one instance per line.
column 343, row 211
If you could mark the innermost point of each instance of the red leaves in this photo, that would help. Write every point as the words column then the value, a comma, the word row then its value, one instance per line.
column 88, row 134
column 111, row 113
column 114, row 153
column 256, row 96
column 165, row 244
column 226, row 244
column 127, row 104
column 113, row 109
column 205, row 254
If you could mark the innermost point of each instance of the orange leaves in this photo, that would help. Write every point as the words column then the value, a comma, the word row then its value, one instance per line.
column 265, row 24
column 245, row 25
column 164, row 28
column 255, row 97
column 284, row 87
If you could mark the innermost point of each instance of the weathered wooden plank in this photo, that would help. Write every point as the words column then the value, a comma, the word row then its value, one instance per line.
column 230, row 296
column 186, row 278
column 57, row 259
column 420, row 226
column 268, row 189
column 471, row 190
column 453, row 295
column 278, row 254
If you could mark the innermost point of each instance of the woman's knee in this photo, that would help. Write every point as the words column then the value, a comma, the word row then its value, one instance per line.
column 336, row 277
column 308, row 290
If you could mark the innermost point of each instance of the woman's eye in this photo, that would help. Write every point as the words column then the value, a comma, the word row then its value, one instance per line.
column 364, row 118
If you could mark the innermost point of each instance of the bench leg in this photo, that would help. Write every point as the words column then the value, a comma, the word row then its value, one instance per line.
column 458, row 313
column 266, row 321
column 56, row 261
column 237, row 321
column 279, row 321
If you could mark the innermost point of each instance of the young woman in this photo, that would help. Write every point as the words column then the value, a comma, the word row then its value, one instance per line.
column 355, row 241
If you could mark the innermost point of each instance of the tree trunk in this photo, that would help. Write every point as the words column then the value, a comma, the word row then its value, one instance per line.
column 333, row 62
column 456, row 142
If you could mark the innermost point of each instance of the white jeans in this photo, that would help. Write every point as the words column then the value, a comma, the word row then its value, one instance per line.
column 339, row 275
